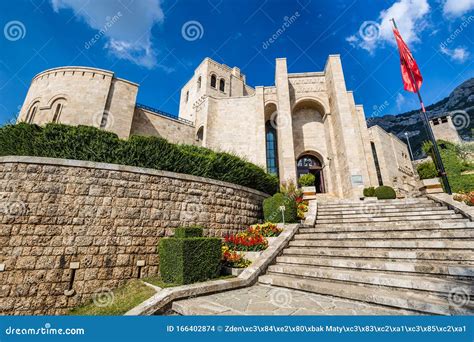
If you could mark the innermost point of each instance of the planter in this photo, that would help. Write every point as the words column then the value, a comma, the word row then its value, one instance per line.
column 232, row 270
column 309, row 190
column 271, row 240
column 252, row 256
column 431, row 186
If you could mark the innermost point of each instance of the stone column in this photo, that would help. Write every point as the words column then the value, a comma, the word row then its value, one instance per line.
column 286, row 151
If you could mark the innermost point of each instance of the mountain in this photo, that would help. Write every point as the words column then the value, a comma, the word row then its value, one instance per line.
column 460, row 99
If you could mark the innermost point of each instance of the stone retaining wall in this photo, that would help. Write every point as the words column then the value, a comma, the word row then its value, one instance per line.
column 70, row 229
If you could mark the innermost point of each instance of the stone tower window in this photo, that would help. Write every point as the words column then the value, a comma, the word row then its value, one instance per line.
column 31, row 113
column 199, row 82
column 213, row 81
column 187, row 96
column 222, row 85
column 200, row 134
column 57, row 112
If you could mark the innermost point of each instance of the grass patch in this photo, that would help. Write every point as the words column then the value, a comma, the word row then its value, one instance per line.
column 157, row 281
column 125, row 298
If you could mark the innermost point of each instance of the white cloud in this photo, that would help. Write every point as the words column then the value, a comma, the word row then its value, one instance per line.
column 459, row 54
column 456, row 8
column 400, row 101
column 129, row 37
column 411, row 19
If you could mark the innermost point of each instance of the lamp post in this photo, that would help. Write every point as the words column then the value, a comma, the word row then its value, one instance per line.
column 409, row 146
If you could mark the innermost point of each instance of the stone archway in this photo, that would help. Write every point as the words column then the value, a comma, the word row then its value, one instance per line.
column 311, row 163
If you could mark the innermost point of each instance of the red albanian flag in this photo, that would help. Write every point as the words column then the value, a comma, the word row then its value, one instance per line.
column 410, row 71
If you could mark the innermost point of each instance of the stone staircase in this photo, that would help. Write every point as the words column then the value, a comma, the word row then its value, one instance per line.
column 410, row 254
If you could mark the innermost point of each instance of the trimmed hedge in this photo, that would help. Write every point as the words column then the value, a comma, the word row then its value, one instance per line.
column 187, row 232
column 189, row 260
column 307, row 180
column 272, row 212
column 93, row 144
column 427, row 170
column 369, row 192
column 385, row 192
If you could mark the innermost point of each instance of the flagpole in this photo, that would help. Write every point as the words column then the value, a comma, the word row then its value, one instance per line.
column 438, row 161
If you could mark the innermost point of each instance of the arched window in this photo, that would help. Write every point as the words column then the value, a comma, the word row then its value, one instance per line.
column 200, row 134
column 199, row 82
column 222, row 84
column 213, row 81
column 271, row 148
column 57, row 112
column 31, row 113
column 187, row 96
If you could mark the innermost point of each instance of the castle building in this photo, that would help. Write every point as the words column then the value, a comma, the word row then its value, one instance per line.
column 444, row 129
column 304, row 123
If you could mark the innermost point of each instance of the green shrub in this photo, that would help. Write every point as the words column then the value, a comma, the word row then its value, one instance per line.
column 369, row 192
column 455, row 163
column 187, row 232
column 189, row 260
column 307, row 180
column 385, row 192
column 272, row 212
column 90, row 143
column 427, row 170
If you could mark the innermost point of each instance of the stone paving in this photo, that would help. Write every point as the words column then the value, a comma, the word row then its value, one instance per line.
column 269, row 300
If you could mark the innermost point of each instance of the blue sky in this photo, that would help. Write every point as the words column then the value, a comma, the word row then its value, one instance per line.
column 159, row 43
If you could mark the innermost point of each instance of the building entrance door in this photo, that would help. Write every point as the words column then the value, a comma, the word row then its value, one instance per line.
column 311, row 164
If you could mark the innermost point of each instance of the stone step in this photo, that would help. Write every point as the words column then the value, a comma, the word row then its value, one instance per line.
column 389, row 226
column 378, row 202
column 467, row 244
column 376, row 209
column 371, row 277
column 390, row 265
column 388, row 219
column 407, row 234
column 460, row 256
column 384, row 207
column 374, row 213
column 411, row 300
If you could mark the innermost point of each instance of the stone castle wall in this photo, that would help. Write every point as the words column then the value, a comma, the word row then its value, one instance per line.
column 104, row 219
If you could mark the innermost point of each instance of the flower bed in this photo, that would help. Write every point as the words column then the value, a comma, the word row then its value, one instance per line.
column 466, row 197
column 302, row 207
column 233, row 259
column 266, row 229
column 246, row 241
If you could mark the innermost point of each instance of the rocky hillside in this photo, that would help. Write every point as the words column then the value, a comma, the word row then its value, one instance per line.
column 461, row 99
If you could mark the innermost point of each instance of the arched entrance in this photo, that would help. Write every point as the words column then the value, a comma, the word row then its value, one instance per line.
column 310, row 164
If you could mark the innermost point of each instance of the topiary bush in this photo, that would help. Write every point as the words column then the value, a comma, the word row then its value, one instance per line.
column 427, row 170
column 272, row 212
column 307, row 180
column 90, row 143
column 189, row 260
column 385, row 192
column 187, row 232
column 369, row 192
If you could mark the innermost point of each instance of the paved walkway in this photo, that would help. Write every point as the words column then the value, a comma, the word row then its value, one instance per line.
column 268, row 300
